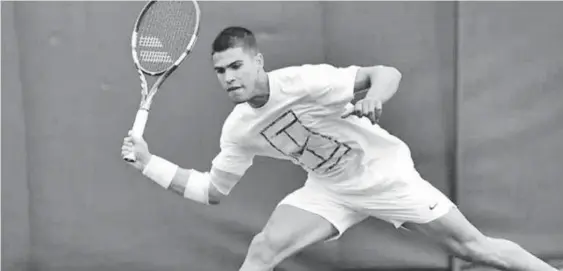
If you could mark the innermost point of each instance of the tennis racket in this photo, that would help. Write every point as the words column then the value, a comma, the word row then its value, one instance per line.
column 164, row 34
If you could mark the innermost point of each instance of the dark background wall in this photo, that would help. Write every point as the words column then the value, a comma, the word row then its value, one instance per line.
column 480, row 103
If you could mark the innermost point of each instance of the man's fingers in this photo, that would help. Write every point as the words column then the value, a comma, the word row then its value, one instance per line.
column 372, row 116
column 378, row 112
column 358, row 110
column 126, row 151
column 370, row 109
column 129, row 140
column 349, row 111
column 127, row 145
column 135, row 140
column 367, row 109
column 378, row 107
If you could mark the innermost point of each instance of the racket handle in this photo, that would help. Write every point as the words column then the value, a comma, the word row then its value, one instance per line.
column 138, row 130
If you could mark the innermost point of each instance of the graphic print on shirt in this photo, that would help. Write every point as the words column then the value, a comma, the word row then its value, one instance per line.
column 314, row 151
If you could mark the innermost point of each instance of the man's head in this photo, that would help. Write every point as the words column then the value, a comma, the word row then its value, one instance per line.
column 237, row 62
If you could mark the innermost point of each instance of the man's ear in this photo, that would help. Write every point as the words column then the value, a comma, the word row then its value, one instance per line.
column 259, row 58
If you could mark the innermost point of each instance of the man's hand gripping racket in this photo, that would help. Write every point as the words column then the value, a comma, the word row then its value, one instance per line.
column 165, row 33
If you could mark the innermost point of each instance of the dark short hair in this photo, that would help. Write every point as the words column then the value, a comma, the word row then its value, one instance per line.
column 233, row 37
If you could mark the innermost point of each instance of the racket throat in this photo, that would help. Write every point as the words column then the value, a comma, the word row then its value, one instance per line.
column 145, row 104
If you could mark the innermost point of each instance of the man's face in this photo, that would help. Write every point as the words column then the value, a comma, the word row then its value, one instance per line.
column 237, row 71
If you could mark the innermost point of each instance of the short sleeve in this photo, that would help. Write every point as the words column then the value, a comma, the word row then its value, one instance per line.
column 330, row 85
column 233, row 157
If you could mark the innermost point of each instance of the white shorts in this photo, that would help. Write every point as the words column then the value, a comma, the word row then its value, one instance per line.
column 398, row 197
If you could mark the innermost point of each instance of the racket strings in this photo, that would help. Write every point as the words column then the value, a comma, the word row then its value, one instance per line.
column 164, row 33
column 148, row 41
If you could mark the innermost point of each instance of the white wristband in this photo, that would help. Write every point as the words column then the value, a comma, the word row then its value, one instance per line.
column 160, row 171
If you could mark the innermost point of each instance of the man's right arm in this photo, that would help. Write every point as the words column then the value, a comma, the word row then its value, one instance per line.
column 216, row 177
column 227, row 169
column 210, row 187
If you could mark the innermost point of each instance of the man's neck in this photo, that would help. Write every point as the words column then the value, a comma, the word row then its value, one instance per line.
column 262, row 91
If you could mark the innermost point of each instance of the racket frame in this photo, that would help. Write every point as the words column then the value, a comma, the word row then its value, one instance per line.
column 146, row 95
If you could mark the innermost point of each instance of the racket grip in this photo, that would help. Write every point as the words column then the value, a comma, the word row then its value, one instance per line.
column 138, row 130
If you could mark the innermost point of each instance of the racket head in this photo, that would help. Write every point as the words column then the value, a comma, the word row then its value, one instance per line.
column 164, row 34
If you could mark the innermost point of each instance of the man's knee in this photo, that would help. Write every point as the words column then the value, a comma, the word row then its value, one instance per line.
column 267, row 245
column 480, row 249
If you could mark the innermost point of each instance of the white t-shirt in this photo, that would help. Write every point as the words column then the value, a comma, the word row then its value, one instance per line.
column 301, row 122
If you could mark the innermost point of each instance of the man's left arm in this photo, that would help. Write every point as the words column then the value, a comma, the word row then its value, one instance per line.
column 381, row 83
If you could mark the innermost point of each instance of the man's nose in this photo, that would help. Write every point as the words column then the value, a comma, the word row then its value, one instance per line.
column 229, row 77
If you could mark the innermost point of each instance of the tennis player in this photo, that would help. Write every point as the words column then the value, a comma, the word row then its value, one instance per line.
column 355, row 168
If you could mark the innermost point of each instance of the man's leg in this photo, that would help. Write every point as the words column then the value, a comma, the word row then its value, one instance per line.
column 407, row 199
column 288, row 231
column 304, row 217
column 463, row 240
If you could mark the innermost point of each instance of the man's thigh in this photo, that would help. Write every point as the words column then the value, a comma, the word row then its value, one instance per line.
column 402, row 197
column 288, row 231
column 289, row 226
column 450, row 229
column 311, row 208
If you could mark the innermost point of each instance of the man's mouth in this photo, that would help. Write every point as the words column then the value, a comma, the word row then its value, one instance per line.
column 232, row 89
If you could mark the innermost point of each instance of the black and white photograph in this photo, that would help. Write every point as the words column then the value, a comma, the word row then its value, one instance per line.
column 199, row 135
